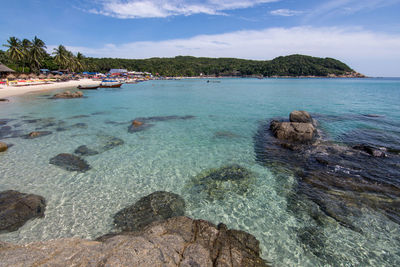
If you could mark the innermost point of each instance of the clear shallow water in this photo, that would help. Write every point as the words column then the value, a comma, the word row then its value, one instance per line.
column 168, row 155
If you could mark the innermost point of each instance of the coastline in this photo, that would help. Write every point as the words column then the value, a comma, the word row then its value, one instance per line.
column 10, row 91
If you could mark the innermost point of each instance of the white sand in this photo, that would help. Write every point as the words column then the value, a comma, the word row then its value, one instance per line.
column 7, row 91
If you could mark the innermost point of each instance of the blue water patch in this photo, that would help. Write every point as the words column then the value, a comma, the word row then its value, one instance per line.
column 196, row 127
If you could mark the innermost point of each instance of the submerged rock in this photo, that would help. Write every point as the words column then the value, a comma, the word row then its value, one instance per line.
column 142, row 123
column 112, row 142
column 179, row 241
column 70, row 162
column 225, row 134
column 85, row 151
column 373, row 151
column 3, row 147
column 37, row 134
column 216, row 183
column 68, row 94
column 17, row 208
column 157, row 206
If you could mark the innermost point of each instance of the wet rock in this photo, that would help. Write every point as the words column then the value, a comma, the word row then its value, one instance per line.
column 373, row 151
column 17, row 208
column 300, row 116
column 340, row 179
column 70, row 162
column 137, row 123
column 85, row 151
column 216, row 183
column 293, row 131
column 157, row 206
column 179, row 241
column 68, row 94
column 3, row 147
column 37, row 134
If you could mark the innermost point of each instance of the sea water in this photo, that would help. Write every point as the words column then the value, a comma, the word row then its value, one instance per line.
column 169, row 154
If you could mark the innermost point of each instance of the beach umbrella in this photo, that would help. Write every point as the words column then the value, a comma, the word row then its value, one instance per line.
column 58, row 76
column 23, row 76
column 33, row 76
column 51, row 75
column 11, row 76
column 42, row 76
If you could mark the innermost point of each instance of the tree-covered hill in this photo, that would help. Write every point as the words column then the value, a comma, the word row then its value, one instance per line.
column 294, row 65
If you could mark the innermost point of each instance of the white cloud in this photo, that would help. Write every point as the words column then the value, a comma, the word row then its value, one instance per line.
column 165, row 8
column 285, row 12
column 370, row 53
column 346, row 7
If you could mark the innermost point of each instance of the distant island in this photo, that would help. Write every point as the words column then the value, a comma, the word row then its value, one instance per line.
column 31, row 55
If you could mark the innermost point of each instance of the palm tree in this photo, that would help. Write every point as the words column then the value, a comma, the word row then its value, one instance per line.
column 61, row 56
column 14, row 49
column 37, row 53
column 25, row 48
column 80, row 65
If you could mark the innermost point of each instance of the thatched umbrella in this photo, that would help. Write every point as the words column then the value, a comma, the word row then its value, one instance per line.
column 23, row 76
column 51, row 75
column 33, row 76
column 11, row 76
column 58, row 76
column 5, row 69
column 42, row 76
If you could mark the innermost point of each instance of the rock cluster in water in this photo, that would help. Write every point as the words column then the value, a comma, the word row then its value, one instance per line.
column 70, row 162
column 37, row 134
column 178, row 241
column 68, row 94
column 216, row 183
column 157, row 206
column 17, row 208
column 341, row 180
column 142, row 123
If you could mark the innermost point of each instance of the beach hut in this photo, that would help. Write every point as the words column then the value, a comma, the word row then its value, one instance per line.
column 4, row 70
column 22, row 76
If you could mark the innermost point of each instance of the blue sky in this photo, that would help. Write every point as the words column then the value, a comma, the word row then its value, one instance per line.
column 363, row 33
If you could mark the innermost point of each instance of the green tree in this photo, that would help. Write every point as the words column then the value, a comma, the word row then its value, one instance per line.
column 14, row 51
column 37, row 53
column 61, row 56
column 25, row 48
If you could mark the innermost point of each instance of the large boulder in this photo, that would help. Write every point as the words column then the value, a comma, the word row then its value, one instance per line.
column 179, row 241
column 17, row 208
column 70, row 162
column 3, row 147
column 300, row 116
column 157, row 206
column 293, row 131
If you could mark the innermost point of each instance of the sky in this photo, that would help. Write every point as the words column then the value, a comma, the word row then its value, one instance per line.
column 365, row 34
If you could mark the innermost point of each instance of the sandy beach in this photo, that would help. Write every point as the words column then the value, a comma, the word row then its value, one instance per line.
column 8, row 91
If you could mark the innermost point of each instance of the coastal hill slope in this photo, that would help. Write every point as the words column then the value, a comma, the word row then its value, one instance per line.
column 292, row 66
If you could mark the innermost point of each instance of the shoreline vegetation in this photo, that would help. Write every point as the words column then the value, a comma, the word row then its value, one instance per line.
column 28, row 56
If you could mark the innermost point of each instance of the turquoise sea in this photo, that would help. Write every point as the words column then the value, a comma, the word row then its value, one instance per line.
column 166, row 156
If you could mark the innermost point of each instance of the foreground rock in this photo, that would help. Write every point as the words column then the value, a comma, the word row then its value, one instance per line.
column 68, row 94
column 157, row 206
column 217, row 183
column 17, row 208
column 70, row 162
column 179, row 241
column 297, row 132
column 3, row 147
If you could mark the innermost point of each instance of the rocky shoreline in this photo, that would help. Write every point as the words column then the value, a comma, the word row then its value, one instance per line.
column 151, row 232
